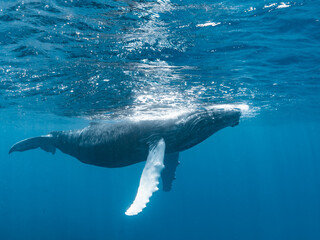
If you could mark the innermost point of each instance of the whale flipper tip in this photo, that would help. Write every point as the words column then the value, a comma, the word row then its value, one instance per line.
column 149, row 178
column 10, row 151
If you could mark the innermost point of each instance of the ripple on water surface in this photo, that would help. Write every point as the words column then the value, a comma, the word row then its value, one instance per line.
column 97, row 58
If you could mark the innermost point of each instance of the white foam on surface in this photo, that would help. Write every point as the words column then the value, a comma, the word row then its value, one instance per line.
column 251, row 9
column 242, row 107
column 246, row 110
column 149, row 179
column 283, row 5
column 212, row 24
column 269, row 5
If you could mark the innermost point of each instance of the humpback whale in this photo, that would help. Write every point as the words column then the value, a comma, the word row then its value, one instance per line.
column 125, row 142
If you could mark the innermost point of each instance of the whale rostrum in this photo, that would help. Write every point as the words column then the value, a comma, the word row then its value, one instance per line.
column 125, row 142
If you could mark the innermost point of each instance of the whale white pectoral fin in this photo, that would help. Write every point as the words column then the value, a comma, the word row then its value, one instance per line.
column 149, row 179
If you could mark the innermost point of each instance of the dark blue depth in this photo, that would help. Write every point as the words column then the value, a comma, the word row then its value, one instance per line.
column 259, row 180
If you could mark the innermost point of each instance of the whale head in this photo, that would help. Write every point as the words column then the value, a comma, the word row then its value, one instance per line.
column 198, row 125
column 225, row 117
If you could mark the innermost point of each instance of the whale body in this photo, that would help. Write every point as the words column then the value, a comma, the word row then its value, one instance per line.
column 122, row 143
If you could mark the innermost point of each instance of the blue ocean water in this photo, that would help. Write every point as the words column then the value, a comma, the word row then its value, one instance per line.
column 65, row 63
